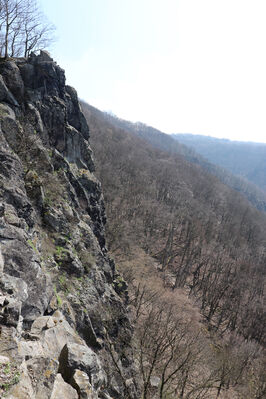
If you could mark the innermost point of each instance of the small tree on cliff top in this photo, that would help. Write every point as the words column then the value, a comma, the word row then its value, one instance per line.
column 22, row 28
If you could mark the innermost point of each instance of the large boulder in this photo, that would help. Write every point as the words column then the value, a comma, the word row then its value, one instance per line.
column 79, row 357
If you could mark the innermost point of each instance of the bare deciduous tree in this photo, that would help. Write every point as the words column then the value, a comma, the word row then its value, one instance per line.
column 170, row 350
column 22, row 28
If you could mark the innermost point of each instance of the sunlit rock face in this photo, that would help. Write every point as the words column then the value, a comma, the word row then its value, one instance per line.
column 64, row 328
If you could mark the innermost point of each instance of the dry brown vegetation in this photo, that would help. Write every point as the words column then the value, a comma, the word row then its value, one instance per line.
column 193, row 251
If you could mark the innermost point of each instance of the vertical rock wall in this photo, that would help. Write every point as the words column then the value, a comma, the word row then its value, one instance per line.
column 63, row 320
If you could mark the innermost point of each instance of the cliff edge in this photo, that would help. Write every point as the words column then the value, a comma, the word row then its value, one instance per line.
column 64, row 330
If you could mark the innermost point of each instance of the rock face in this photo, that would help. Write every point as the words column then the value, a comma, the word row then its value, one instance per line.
column 64, row 326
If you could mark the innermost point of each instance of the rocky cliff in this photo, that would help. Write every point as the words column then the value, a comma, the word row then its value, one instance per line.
column 64, row 330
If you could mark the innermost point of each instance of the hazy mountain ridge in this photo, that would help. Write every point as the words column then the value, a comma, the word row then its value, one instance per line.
column 246, row 159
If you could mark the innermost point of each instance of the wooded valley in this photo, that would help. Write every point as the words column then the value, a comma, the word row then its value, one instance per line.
column 193, row 252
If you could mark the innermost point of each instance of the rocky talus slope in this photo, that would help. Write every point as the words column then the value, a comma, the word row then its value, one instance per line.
column 64, row 330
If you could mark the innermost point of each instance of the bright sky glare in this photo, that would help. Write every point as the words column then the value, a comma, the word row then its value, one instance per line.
column 182, row 66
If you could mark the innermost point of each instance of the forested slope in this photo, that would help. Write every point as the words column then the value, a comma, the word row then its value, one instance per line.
column 244, row 159
column 204, row 237
column 168, row 143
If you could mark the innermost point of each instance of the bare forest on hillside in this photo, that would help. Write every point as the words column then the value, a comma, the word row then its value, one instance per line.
column 204, row 239
column 242, row 182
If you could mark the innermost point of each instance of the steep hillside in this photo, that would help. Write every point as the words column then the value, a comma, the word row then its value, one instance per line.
column 165, row 142
column 169, row 218
column 244, row 159
column 64, row 326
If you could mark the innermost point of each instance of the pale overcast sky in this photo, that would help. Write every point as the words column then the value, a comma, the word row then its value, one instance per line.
column 183, row 66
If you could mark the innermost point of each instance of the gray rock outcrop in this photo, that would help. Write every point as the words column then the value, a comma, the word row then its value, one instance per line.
column 64, row 325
